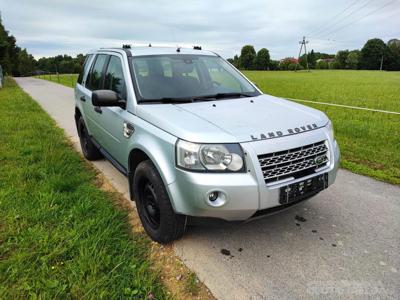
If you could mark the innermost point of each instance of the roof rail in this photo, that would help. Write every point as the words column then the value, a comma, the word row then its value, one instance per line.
column 126, row 46
column 197, row 47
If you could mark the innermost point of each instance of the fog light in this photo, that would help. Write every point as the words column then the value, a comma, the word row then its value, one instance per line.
column 213, row 196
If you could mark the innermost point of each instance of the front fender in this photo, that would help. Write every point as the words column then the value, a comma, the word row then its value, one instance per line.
column 158, row 145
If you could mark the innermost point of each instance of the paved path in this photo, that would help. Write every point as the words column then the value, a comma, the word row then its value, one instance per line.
column 344, row 244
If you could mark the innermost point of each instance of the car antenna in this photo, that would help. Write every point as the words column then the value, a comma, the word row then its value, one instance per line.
column 178, row 49
column 149, row 44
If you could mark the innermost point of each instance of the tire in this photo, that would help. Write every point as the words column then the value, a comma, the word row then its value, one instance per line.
column 158, row 218
column 89, row 150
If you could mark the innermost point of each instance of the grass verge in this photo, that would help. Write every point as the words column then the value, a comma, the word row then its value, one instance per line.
column 68, row 80
column 369, row 141
column 60, row 235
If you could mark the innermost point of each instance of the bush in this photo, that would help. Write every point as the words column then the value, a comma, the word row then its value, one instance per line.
column 321, row 65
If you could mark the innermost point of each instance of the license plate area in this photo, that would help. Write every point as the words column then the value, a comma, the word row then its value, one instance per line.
column 304, row 189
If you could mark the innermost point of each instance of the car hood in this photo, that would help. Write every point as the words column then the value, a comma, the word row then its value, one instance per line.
column 233, row 120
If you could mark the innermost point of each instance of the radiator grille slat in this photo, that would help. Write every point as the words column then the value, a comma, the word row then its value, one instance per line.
column 296, row 162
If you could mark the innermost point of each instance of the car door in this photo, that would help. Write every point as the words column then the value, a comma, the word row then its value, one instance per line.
column 112, row 119
column 94, row 81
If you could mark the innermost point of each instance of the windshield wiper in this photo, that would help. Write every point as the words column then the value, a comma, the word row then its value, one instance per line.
column 167, row 100
column 222, row 96
column 199, row 98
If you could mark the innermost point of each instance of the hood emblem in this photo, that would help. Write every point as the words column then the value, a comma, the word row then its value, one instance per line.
column 289, row 131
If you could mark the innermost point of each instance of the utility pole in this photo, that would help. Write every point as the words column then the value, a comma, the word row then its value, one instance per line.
column 302, row 43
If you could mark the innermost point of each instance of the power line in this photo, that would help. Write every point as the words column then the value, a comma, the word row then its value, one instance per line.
column 362, row 17
column 344, row 18
column 333, row 18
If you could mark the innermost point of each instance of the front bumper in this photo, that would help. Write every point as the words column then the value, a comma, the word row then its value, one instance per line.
column 242, row 195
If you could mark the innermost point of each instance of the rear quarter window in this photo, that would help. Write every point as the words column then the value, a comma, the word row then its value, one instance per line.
column 85, row 67
column 96, row 73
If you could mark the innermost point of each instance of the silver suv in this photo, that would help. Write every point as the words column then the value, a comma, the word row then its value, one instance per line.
column 196, row 138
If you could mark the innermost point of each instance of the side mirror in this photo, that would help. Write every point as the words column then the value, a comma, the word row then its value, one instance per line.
column 107, row 98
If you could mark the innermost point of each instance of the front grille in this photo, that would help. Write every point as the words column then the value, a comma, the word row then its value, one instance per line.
column 296, row 162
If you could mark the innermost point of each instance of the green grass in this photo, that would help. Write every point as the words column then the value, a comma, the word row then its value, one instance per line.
column 369, row 141
column 192, row 284
column 60, row 235
column 370, row 89
column 68, row 80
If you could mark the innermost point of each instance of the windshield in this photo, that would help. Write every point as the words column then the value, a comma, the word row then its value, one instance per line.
column 188, row 78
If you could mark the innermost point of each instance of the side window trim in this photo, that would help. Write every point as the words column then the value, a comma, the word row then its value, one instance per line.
column 105, row 67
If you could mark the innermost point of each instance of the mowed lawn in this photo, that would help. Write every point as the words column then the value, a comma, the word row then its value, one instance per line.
column 61, row 237
column 369, row 141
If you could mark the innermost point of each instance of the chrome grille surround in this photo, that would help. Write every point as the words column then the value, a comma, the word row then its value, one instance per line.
column 296, row 162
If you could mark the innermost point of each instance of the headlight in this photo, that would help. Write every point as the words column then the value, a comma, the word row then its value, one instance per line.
column 331, row 131
column 209, row 157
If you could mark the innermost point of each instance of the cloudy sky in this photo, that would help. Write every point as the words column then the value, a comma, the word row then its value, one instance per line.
column 47, row 27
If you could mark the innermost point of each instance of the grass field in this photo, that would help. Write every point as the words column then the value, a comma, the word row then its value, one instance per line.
column 61, row 237
column 64, row 79
column 369, row 141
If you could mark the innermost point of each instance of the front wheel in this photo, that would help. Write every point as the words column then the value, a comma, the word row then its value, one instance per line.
column 158, row 218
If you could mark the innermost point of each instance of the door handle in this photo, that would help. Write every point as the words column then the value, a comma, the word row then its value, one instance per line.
column 83, row 99
column 98, row 109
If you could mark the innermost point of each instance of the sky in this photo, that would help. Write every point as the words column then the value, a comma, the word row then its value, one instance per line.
column 52, row 27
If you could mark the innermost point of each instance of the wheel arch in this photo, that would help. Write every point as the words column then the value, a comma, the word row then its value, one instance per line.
column 140, row 154
column 77, row 115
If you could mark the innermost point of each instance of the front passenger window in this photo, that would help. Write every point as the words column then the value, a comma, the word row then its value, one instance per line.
column 114, row 77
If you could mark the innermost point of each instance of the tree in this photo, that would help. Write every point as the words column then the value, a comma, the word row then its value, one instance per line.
column 372, row 53
column 247, row 57
column 26, row 63
column 311, row 59
column 236, row 61
column 262, row 59
column 321, row 65
column 273, row 65
column 352, row 59
column 340, row 59
column 393, row 57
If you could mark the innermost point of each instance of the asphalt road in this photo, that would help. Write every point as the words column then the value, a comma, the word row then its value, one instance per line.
column 343, row 243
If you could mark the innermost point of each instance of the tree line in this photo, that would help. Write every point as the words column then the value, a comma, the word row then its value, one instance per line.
column 18, row 62
column 374, row 55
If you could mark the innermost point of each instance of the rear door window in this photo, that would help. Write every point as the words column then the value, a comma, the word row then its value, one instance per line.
column 85, row 67
column 96, row 74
